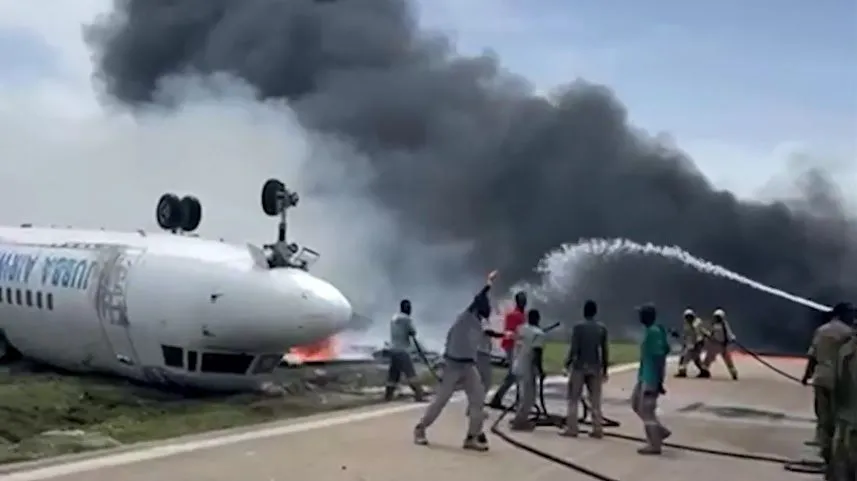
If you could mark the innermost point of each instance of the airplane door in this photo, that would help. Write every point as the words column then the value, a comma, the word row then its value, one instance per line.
column 111, row 303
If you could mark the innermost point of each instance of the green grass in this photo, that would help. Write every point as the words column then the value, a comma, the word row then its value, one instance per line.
column 620, row 353
column 31, row 404
column 36, row 403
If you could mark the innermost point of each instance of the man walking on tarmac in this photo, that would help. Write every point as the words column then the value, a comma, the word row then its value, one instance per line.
column 460, row 352
column 693, row 339
column 843, row 462
column 401, row 332
column 586, row 364
column 514, row 319
column 821, row 367
column 717, row 344
column 650, row 380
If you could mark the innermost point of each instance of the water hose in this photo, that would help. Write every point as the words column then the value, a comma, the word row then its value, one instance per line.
column 543, row 417
column 798, row 466
column 767, row 364
column 558, row 420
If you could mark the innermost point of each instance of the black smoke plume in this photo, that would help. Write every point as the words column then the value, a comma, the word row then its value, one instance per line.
column 465, row 150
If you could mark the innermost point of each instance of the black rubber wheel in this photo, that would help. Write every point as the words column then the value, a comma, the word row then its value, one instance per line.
column 271, row 192
column 191, row 211
column 169, row 212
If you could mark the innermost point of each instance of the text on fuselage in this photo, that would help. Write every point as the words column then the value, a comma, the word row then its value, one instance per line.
column 16, row 267
column 56, row 271
column 67, row 272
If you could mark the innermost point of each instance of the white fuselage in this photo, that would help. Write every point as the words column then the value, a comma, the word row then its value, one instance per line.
column 158, row 308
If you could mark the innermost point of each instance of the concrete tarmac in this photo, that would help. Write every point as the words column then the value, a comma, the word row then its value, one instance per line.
column 760, row 413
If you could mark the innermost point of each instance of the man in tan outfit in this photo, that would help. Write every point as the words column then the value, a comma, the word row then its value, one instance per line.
column 823, row 355
column 717, row 343
column 843, row 454
column 692, row 342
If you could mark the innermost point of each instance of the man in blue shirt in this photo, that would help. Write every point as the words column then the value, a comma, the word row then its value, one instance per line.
column 650, row 380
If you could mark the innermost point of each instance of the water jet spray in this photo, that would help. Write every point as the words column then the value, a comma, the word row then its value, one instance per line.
column 558, row 267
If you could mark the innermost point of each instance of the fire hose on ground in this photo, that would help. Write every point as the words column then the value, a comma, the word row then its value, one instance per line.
column 542, row 417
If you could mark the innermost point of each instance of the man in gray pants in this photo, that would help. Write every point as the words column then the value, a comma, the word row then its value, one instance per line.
column 586, row 364
column 401, row 332
column 460, row 354
column 528, row 368
column 484, row 362
column 514, row 319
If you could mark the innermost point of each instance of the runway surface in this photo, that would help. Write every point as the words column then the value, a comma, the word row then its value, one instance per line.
column 760, row 413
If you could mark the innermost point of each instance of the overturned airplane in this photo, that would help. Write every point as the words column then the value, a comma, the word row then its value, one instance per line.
column 171, row 308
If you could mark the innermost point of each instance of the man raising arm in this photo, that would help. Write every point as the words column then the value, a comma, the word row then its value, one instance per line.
column 463, row 341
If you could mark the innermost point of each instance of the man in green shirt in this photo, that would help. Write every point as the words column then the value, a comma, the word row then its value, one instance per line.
column 650, row 380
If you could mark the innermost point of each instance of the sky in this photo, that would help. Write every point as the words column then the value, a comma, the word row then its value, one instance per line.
column 749, row 89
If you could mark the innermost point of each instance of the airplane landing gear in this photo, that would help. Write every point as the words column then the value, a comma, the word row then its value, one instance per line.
column 168, row 212
column 191, row 213
column 276, row 202
column 276, row 198
column 174, row 213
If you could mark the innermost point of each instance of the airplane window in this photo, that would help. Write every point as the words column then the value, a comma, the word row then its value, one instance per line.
column 18, row 297
column 214, row 362
column 173, row 356
column 29, row 296
column 267, row 363
column 39, row 299
column 9, row 295
column 49, row 301
column 191, row 360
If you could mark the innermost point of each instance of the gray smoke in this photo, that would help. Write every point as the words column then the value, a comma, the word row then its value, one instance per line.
column 463, row 151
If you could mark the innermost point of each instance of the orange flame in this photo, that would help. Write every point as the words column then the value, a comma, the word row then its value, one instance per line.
column 323, row 350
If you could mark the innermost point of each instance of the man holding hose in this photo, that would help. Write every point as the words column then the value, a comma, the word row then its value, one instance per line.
column 693, row 340
column 514, row 319
column 833, row 371
column 528, row 368
column 843, row 462
column 827, row 340
column 402, row 331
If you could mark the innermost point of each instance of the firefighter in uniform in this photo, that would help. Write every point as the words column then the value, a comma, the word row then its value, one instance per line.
column 833, row 367
column 693, row 340
column 717, row 343
column 821, row 367
column 843, row 462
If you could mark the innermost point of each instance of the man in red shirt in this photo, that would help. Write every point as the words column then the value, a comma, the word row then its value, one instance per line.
column 514, row 319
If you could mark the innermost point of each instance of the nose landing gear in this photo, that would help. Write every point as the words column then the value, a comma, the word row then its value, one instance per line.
column 276, row 201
